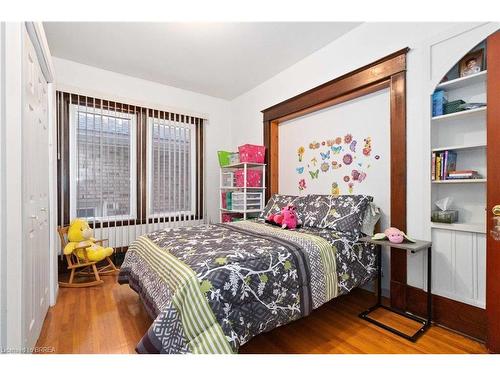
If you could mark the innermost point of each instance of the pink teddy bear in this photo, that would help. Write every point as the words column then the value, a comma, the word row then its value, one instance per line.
column 287, row 219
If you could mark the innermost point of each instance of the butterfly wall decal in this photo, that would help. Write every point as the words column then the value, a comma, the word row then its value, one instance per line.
column 336, row 149
column 325, row 155
column 314, row 145
column 314, row 174
column 300, row 170
column 352, row 146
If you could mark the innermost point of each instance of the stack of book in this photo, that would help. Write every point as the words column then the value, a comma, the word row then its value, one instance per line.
column 443, row 163
column 444, row 167
column 462, row 175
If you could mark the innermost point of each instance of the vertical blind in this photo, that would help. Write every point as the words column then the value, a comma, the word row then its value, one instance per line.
column 128, row 170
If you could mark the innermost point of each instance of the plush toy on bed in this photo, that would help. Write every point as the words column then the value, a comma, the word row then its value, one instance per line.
column 287, row 219
column 392, row 234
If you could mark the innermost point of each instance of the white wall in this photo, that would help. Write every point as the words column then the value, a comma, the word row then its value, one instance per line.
column 367, row 116
column 3, row 291
column 12, row 204
column 361, row 46
column 96, row 82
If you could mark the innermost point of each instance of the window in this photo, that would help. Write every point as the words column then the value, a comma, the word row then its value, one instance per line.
column 102, row 163
column 171, row 167
column 125, row 165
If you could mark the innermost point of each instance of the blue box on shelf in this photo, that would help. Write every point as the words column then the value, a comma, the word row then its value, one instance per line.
column 439, row 99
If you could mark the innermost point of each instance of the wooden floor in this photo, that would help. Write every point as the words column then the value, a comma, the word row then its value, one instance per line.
column 111, row 319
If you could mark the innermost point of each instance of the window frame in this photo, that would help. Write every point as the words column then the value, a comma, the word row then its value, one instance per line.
column 151, row 121
column 74, row 109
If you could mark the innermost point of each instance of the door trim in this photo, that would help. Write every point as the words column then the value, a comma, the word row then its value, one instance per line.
column 3, row 215
column 39, row 40
column 492, row 192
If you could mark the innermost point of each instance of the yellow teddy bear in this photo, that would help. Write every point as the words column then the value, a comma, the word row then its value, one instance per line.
column 79, row 235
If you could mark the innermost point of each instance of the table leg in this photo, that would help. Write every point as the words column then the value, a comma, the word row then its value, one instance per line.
column 429, row 285
column 426, row 322
column 379, row 274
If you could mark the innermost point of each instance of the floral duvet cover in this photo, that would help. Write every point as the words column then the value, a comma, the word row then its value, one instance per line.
column 211, row 288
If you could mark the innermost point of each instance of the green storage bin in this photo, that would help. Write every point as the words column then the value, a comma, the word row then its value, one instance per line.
column 224, row 158
column 452, row 107
column 229, row 200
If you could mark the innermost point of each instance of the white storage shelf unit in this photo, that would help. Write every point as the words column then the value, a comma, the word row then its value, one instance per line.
column 459, row 264
column 465, row 133
column 245, row 199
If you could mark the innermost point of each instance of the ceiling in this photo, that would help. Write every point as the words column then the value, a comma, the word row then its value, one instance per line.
column 218, row 59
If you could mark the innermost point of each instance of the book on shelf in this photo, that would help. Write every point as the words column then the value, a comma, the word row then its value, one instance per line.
column 464, row 175
column 443, row 164
column 433, row 166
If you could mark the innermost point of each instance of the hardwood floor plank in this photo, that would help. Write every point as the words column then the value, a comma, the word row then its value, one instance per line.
column 111, row 319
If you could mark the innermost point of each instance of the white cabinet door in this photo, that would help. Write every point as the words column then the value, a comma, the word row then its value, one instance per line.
column 35, row 177
column 459, row 266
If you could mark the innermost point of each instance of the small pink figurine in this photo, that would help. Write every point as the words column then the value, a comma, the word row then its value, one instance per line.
column 287, row 219
column 394, row 235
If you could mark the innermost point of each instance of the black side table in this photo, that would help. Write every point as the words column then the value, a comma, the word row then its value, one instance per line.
column 413, row 248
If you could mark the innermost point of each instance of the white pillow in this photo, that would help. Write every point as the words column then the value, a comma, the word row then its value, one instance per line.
column 372, row 216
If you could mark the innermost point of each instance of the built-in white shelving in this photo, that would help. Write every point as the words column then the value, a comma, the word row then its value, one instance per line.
column 460, row 114
column 462, row 227
column 463, row 132
column 461, row 82
column 463, row 181
column 459, row 249
column 459, row 147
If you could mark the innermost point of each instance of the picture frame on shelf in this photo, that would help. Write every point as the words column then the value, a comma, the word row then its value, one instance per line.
column 472, row 63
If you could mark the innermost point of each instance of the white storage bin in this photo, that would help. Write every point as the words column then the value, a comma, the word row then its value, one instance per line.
column 253, row 201
column 228, row 179
column 234, row 158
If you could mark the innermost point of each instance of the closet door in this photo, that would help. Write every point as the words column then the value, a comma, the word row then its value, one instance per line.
column 493, row 194
column 35, row 195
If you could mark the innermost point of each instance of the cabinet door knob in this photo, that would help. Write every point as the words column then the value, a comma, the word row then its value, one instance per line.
column 496, row 210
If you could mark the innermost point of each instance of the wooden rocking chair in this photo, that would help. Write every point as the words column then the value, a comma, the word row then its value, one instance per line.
column 84, row 267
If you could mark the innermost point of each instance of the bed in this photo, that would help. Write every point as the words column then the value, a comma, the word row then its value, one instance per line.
column 211, row 288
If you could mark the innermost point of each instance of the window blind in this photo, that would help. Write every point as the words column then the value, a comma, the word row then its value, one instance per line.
column 128, row 170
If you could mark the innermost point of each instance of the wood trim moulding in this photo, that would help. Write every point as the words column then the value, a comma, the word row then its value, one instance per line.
column 493, row 192
column 338, row 100
column 398, row 185
column 370, row 74
column 455, row 315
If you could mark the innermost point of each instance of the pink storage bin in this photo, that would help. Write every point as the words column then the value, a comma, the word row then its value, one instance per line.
column 227, row 218
column 251, row 153
column 254, row 178
column 224, row 203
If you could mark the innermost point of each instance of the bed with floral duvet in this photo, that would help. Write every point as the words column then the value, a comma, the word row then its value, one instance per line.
column 211, row 288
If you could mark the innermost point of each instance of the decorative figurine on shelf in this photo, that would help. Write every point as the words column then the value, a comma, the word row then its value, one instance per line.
column 287, row 219
column 392, row 234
